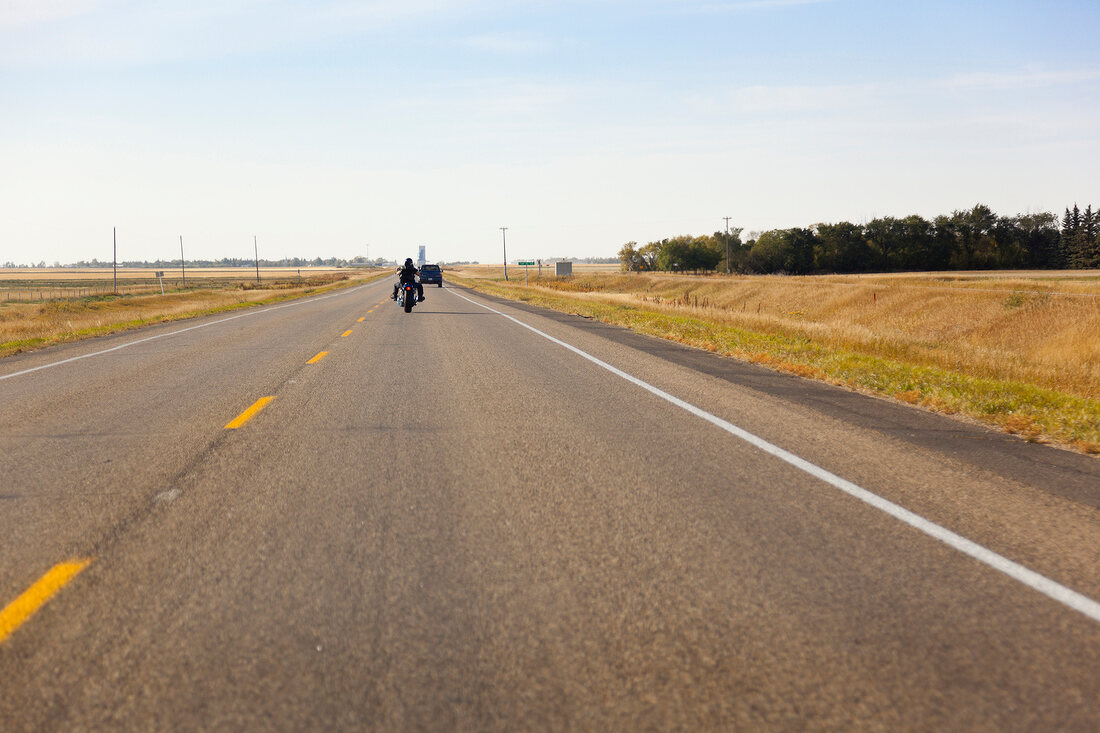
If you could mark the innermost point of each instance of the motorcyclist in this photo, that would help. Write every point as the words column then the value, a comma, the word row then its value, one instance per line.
column 407, row 274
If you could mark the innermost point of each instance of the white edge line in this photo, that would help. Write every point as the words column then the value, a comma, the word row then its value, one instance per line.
column 1030, row 578
column 300, row 301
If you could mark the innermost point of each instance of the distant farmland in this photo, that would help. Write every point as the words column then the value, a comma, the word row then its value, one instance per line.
column 42, row 307
column 54, row 283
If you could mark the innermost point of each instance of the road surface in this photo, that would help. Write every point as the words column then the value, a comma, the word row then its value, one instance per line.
column 329, row 514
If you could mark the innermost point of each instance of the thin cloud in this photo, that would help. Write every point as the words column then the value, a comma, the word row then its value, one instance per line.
column 507, row 43
column 762, row 99
column 19, row 13
column 68, row 32
column 744, row 5
column 1029, row 80
column 798, row 99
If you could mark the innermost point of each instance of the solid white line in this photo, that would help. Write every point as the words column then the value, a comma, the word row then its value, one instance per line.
column 183, row 330
column 1030, row 578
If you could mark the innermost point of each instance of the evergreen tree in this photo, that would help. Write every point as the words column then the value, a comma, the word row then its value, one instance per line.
column 1074, row 245
column 1089, row 239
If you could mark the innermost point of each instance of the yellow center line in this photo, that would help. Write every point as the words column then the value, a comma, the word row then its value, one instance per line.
column 370, row 311
column 345, row 333
column 361, row 319
column 23, row 607
column 317, row 358
column 249, row 413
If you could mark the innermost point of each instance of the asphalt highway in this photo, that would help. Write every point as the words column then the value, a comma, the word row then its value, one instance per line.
column 332, row 515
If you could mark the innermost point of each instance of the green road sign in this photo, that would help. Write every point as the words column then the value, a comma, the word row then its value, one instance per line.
column 523, row 263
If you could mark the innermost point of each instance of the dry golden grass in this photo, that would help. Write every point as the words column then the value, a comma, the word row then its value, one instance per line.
column 1042, row 332
column 35, row 284
column 26, row 326
column 923, row 339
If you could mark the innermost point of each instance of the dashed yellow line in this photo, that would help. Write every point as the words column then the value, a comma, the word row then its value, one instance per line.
column 317, row 358
column 249, row 413
column 23, row 607
column 362, row 319
column 345, row 333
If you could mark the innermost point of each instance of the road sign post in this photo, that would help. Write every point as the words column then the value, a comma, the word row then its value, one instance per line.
column 526, row 275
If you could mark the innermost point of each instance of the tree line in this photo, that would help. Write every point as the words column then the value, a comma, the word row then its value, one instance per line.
column 972, row 239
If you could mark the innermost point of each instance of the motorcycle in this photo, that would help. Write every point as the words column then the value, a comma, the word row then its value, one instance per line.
column 406, row 296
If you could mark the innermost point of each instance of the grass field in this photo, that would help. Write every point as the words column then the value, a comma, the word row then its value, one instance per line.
column 1016, row 350
column 38, row 284
column 67, row 305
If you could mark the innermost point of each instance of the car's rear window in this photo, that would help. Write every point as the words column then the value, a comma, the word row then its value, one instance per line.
column 430, row 268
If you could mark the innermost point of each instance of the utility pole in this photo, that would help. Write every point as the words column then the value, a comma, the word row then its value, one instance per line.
column 256, row 250
column 114, row 258
column 504, row 235
column 183, row 265
column 727, row 218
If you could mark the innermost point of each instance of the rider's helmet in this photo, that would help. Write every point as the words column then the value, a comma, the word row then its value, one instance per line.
column 408, row 261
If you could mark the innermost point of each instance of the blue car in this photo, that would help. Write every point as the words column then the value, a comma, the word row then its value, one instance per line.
column 430, row 274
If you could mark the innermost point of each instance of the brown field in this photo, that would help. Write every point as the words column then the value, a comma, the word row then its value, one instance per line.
column 997, row 345
column 65, row 308
column 26, row 284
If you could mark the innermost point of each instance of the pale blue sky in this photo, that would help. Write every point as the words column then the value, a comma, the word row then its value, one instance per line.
column 342, row 127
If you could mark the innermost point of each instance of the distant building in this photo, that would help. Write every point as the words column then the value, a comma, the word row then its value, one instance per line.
column 421, row 260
